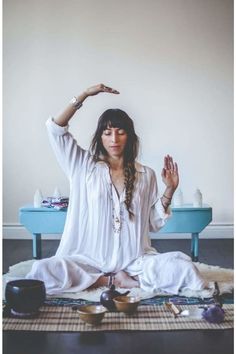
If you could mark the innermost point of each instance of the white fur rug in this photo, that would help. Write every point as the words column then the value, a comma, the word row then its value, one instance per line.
column 223, row 276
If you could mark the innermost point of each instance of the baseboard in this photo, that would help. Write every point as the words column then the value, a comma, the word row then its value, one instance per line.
column 212, row 231
column 18, row 232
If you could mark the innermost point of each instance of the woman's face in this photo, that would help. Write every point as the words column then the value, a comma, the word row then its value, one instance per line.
column 114, row 141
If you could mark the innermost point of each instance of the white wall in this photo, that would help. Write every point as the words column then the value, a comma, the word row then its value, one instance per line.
column 172, row 61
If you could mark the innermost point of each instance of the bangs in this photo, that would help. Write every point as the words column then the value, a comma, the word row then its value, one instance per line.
column 115, row 119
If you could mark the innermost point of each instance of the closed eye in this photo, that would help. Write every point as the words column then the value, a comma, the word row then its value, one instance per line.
column 121, row 131
column 107, row 132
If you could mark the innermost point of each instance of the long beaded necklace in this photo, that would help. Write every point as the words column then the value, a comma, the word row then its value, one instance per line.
column 116, row 217
column 116, row 221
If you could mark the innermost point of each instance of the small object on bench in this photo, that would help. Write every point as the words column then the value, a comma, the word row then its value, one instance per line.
column 57, row 203
column 38, row 198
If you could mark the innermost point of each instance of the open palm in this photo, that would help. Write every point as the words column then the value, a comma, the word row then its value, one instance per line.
column 94, row 90
column 170, row 175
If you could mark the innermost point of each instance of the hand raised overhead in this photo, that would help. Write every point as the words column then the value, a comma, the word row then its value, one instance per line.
column 94, row 90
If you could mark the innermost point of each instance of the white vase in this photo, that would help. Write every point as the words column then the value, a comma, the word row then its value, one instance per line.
column 178, row 198
column 57, row 193
column 38, row 198
column 197, row 199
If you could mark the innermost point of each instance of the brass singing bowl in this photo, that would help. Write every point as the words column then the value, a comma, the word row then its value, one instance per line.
column 126, row 304
column 91, row 314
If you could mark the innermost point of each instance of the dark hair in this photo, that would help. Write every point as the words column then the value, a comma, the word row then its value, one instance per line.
column 116, row 118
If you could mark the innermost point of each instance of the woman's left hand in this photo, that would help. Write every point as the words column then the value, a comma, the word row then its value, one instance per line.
column 170, row 175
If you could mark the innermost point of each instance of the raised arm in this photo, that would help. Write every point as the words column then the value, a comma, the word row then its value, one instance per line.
column 170, row 177
column 69, row 154
column 77, row 101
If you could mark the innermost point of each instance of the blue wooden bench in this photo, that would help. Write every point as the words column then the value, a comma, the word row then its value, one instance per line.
column 185, row 219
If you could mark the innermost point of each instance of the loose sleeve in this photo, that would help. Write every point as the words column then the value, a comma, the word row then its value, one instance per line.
column 158, row 216
column 68, row 153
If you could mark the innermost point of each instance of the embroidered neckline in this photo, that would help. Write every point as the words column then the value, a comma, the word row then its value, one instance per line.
column 117, row 218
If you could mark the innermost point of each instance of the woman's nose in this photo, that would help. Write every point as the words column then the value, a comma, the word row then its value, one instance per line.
column 114, row 137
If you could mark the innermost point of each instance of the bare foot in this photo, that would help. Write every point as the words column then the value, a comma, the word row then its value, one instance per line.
column 102, row 281
column 123, row 280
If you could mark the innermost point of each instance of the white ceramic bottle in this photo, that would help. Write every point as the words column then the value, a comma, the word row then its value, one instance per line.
column 197, row 199
column 178, row 198
column 38, row 198
column 57, row 193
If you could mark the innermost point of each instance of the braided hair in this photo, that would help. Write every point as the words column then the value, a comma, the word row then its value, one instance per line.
column 116, row 118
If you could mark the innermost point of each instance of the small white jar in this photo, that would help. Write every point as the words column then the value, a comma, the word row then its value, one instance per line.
column 38, row 198
column 197, row 199
column 57, row 193
column 178, row 198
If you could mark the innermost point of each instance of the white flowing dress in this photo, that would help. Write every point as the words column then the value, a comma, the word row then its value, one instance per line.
column 99, row 237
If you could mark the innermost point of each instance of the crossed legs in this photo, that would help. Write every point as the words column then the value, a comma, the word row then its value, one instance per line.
column 120, row 280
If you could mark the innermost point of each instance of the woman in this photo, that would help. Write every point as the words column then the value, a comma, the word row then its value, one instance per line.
column 114, row 203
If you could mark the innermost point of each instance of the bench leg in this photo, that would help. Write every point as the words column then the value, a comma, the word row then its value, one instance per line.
column 194, row 246
column 37, row 250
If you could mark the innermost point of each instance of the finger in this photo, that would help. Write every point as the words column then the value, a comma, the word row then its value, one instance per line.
column 109, row 89
column 175, row 168
column 168, row 162
column 165, row 162
column 171, row 163
column 104, row 87
column 115, row 91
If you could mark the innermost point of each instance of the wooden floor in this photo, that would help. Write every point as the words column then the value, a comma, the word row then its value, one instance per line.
column 215, row 252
